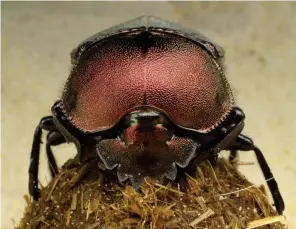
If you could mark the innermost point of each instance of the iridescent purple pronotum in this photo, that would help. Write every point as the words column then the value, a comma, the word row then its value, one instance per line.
column 147, row 98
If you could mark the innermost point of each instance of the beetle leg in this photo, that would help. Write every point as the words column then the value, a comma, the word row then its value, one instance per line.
column 46, row 123
column 244, row 143
column 212, row 157
column 189, row 170
column 233, row 157
column 53, row 139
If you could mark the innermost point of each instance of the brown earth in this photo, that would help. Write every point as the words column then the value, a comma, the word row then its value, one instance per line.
column 81, row 197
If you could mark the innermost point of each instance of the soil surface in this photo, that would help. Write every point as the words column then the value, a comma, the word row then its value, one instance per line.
column 82, row 197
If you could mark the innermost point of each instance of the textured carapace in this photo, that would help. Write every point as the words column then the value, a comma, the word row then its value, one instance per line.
column 147, row 68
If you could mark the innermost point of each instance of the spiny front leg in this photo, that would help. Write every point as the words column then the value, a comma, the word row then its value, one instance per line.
column 46, row 123
column 244, row 143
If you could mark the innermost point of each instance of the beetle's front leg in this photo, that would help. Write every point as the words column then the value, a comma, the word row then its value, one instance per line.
column 46, row 123
column 243, row 143
column 53, row 139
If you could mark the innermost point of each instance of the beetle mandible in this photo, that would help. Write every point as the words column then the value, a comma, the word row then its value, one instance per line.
column 147, row 98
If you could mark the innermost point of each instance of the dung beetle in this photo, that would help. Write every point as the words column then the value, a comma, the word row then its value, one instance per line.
column 147, row 98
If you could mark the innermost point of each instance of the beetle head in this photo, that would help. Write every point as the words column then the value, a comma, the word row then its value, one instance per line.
column 146, row 147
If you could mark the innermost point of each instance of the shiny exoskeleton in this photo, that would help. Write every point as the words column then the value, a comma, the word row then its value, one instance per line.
column 147, row 98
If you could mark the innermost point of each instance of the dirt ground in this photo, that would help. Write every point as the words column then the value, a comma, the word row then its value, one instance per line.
column 259, row 39
column 81, row 197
